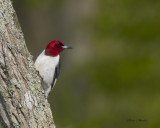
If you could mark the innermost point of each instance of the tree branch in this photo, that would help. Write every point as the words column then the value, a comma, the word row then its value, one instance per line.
column 22, row 101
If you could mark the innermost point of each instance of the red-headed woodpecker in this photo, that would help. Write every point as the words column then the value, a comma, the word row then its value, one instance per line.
column 48, row 64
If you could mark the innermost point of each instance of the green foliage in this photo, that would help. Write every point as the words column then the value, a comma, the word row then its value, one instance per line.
column 131, row 20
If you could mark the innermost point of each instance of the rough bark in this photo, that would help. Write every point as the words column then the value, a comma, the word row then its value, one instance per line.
column 22, row 101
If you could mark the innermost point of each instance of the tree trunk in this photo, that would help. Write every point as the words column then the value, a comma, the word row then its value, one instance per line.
column 22, row 101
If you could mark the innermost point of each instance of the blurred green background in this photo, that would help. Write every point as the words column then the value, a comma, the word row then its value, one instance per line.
column 111, row 77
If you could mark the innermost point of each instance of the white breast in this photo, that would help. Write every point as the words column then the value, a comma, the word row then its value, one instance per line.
column 46, row 67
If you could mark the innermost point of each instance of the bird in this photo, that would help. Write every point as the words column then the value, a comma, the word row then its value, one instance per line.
column 48, row 65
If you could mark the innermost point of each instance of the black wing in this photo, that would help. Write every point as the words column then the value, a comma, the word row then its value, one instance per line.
column 56, row 74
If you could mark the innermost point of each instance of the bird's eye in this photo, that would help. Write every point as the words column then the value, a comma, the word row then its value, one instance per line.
column 59, row 44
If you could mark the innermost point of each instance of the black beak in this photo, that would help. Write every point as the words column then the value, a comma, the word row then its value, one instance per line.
column 66, row 47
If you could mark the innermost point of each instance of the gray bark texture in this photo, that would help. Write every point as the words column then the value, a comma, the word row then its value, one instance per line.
column 22, row 101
